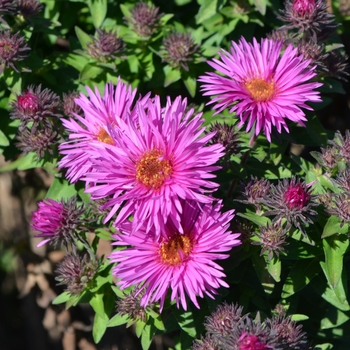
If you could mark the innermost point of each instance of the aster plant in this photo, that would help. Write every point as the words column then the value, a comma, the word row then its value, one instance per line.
column 181, row 171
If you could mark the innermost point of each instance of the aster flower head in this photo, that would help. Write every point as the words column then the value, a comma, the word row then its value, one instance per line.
column 263, row 87
column 272, row 239
column 183, row 263
column 13, row 48
column 308, row 16
column 70, row 108
column 40, row 141
column 76, row 272
column 224, row 319
column 341, row 145
column 291, row 199
column 29, row 8
column 7, row 7
column 225, row 135
column 105, row 46
column 56, row 221
column 254, row 191
column 179, row 48
column 289, row 335
column 99, row 112
column 156, row 159
column 336, row 65
column 37, row 106
column 131, row 305
column 144, row 19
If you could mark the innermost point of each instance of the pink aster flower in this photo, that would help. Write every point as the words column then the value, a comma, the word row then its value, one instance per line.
column 98, row 112
column 154, row 161
column 183, row 263
column 57, row 221
column 263, row 86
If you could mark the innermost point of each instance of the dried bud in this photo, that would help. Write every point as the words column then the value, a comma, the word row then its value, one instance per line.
column 310, row 17
column 76, row 272
column 29, row 8
column 58, row 222
column 7, row 7
column 145, row 19
column 13, row 48
column 224, row 319
column 36, row 106
column 207, row 343
column 312, row 51
column 35, row 140
column 292, row 200
column 106, row 46
column 131, row 306
column 69, row 106
column 289, row 334
column 179, row 48
column 225, row 135
column 336, row 65
column 338, row 204
column 272, row 239
column 254, row 191
column 341, row 145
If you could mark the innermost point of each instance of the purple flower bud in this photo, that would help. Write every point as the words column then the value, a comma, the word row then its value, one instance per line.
column 296, row 196
column 303, row 7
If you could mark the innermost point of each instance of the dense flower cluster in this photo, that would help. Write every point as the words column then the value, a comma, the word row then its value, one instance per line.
column 153, row 164
column 227, row 328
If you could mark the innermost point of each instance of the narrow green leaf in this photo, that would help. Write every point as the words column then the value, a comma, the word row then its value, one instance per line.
column 117, row 320
column 333, row 226
column 146, row 337
column 62, row 298
column 256, row 219
column 98, row 305
column 260, row 6
column 334, row 318
column 274, row 267
column 185, row 321
column 98, row 10
column 334, row 248
column 208, row 8
column 83, row 37
column 119, row 293
column 265, row 278
column 191, row 83
column 139, row 326
column 3, row 139
column 299, row 317
column 99, row 328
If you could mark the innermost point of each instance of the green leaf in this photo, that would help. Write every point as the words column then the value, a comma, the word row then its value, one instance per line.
column 83, row 37
column 333, row 226
column 265, row 278
column 139, row 326
column 256, row 219
column 119, row 293
column 146, row 337
column 171, row 75
column 333, row 318
column 104, row 234
column 118, row 320
column 191, row 83
column 90, row 71
column 325, row 346
column 334, row 248
column 3, row 139
column 60, row 188
column 299, row 317
column 208, row 9
column 98, row 305
column 98, row 10
column 185, row 321
column 300, row 276
column 260, row 5
column 62, row 298
column 99, row 328
column 274, row 267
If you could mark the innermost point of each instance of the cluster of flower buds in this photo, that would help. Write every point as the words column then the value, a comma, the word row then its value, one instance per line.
column 227, row 328
column 38, row 111
column 289, row 203
column 309, row 24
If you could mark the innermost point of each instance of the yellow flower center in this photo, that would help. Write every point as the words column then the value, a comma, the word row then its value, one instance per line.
column 104, row 137
column 260, row 90
column 176, row 250
column 152, row 169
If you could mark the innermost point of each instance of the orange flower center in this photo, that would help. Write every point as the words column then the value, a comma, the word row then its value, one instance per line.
column 104, row 137
column 260, row 90
column 152, row 169
column 176, row 250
